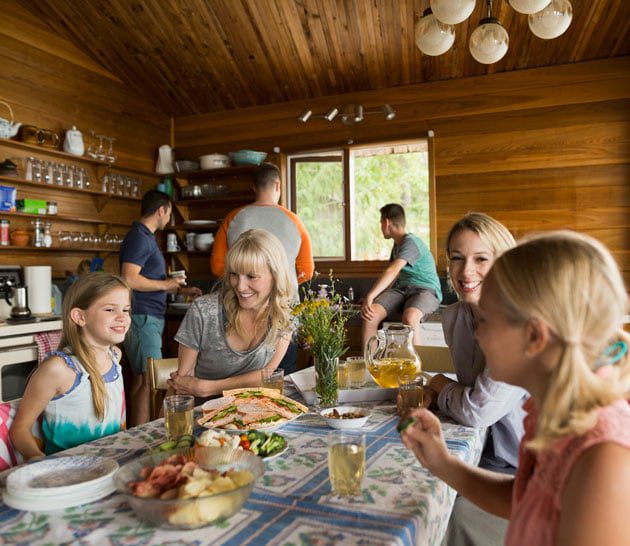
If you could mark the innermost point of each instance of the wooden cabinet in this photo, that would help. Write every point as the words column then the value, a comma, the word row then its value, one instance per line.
column 88, row 222
column 232, row 187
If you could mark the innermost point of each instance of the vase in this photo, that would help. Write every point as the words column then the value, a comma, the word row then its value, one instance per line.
column 326, row 381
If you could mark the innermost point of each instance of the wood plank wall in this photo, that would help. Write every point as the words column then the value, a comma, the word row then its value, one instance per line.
column 51, row 84
column 538, row 149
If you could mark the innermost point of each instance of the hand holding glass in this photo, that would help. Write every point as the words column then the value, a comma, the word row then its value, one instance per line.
column 273, row 379
column 178, row 415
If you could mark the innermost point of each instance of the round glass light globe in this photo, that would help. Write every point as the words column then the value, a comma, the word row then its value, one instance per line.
column 432, row 36
column 489, row 41
column 452, row 12
column 528, row 6
column 552, row 21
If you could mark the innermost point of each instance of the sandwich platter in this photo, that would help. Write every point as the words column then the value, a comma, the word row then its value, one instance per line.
column 250, row 409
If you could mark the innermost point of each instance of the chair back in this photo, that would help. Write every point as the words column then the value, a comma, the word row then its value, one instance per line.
column 159, row 371
column 435, row 359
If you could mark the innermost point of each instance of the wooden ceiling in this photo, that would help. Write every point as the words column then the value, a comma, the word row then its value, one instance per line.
column 199, row 56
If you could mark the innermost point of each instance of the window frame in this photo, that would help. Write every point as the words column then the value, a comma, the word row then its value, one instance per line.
column 346, row 266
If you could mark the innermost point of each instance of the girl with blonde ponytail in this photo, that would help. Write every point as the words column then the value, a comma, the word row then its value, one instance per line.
column 551, row 315
column 79, row 390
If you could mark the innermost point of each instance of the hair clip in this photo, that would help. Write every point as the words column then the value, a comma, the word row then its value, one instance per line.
column 613, row 354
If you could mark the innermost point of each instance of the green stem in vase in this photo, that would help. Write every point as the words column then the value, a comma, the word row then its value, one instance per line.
column 326, row 380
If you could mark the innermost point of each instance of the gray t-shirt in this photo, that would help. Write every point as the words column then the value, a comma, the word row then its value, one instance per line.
column 203, row 330
column 476, row 399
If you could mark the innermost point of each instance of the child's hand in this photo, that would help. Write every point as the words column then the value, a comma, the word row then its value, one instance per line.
column 424, row 438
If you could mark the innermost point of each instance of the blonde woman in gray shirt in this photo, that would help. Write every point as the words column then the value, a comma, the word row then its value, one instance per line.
column 227, row 336
column 472, row 245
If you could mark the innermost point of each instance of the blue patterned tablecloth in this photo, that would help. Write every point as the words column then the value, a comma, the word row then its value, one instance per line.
column 402, row 503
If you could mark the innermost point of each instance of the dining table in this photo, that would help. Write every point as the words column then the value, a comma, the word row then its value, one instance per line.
column 401, row 503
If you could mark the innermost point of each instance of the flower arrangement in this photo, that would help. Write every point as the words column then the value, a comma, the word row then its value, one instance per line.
column 322, row 318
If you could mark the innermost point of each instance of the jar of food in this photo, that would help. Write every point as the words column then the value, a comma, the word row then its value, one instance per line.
column 38, row 232
column 4, row 232
column 51, row 207
column 47, row 235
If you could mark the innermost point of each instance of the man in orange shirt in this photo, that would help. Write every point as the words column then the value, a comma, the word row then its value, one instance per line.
column 265, row 213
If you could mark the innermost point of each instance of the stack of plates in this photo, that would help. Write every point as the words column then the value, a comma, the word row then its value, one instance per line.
column 55, row 484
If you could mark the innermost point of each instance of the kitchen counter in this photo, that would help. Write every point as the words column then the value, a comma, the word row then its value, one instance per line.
column 7, row 330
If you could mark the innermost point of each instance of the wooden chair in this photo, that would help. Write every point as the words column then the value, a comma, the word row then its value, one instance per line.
column 159, row 371
column 435, row 359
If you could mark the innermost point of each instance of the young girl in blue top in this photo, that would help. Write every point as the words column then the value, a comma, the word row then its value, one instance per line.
column 79, row 389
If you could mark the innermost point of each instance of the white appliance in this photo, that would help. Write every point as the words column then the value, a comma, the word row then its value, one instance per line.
column 19, row 355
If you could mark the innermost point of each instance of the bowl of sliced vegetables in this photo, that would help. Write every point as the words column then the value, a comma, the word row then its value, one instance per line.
column 264, row 444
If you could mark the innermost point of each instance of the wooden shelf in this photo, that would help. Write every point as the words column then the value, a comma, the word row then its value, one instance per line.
column 221, row 198
column 56, row 187
column 59, row 249
column 35, row 148
column 213, row 173
column 51, row 217
column 193, row 228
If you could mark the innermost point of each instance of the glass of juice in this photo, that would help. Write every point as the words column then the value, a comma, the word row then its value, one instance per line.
column 346, row 461
column 410, row 392
column 342, row 375
column 178, row 415
column 356, row 371
column 273, row 379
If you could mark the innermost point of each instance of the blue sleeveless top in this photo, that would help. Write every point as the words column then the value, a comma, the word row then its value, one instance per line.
column 69, row 419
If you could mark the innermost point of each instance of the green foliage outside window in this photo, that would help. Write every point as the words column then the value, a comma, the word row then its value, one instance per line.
column 378, row 179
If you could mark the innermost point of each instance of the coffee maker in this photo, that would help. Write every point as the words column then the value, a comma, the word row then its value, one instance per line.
column 13, row 295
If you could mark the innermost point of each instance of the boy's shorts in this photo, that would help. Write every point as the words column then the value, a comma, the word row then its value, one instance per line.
column 395, row 300
column 143, row 340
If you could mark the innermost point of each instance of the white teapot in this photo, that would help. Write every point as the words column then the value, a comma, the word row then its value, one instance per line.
column 8, row 129
column 73, row 144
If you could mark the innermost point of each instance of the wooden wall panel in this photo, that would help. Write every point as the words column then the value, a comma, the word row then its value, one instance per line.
column 538, row 149
column 50, row 83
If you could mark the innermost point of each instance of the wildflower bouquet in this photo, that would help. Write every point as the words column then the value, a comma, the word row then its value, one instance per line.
column 322, row 319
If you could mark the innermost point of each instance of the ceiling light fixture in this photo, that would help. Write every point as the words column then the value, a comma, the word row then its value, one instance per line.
column 349, row 114
column 489, row 42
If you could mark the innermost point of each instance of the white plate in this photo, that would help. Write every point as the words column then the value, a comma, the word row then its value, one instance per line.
column 200, row 223
column 61, row 475
column 49, row 504
column 346, row 424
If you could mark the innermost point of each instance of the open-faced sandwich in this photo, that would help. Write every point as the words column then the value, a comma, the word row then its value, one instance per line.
column 251, row 408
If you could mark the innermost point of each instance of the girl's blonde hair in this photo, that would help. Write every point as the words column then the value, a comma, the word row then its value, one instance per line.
column 572, row 283
column 82, row 294
column 493, row 233
column 255, row 251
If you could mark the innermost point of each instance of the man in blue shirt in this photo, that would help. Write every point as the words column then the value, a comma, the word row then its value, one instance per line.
column 143, row 267
column 409, row 284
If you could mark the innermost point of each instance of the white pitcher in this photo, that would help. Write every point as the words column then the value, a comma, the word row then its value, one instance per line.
column 73, row 143
column 164, row 163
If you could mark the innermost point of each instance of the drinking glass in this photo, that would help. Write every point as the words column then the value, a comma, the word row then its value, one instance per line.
column 346, row 461
column 410, row 392
column 273, row 379
column 92, row 148
column 342, row 375
column 101, row 154
column 37, row 170
column 356, row 371
column 178, row 415
column 110, row 155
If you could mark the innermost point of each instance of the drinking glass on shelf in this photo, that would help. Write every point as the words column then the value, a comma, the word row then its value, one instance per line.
column 120, row 189
column 67, row 176
column 75, row 239
column 58, row 174
column 135, row 190
column 101, row 154
column 113, row 183
column 110, row 155
column 92, row 150
column 346, row 462
column 37, row 170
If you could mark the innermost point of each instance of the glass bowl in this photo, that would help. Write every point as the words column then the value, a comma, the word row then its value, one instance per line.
column 194, row 512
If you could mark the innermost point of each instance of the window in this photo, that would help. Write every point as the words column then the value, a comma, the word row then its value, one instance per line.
column 375, row 175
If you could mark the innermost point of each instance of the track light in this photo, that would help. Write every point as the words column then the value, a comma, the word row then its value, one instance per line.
column 305, row 116
column 349, row 114
column 331, row 114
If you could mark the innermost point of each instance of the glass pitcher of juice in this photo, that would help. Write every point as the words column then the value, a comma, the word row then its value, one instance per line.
column 390, row 354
